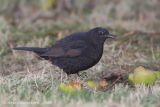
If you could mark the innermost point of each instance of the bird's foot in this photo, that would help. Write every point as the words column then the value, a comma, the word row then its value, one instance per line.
column 82, row 76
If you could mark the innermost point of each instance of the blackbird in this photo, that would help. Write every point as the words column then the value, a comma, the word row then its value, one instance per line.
column 76, row 52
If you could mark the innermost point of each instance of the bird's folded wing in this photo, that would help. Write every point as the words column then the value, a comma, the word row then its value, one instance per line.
column 72, row 49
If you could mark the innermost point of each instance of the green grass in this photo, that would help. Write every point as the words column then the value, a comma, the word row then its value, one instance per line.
column 27, row 91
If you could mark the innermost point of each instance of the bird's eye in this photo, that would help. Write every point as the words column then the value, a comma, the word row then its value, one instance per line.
column 100, row 32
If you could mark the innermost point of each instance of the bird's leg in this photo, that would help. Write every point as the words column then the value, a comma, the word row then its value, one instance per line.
column 61, row 77
column 64, row 77
column 78, row 74
column 68, row 76
column 82, row 75
column 77, row 78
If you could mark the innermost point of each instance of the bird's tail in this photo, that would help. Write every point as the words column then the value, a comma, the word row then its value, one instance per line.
column 33, row 49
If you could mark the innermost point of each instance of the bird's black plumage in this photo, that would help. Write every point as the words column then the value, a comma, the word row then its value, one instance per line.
column 76, row 52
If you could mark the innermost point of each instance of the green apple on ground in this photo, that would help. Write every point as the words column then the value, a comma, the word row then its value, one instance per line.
column 71, row 87
column 97, row 85
column 143, row 76
column 47, row 4
column 92, row 84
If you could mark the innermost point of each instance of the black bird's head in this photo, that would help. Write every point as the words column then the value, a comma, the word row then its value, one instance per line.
column 100, row 34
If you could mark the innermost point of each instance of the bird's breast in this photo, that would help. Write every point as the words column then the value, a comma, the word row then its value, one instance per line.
column 94, row 53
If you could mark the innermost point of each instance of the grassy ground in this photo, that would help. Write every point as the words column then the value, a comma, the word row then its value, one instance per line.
column 25, row 79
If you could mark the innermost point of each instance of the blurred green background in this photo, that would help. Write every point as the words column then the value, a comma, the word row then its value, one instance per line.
column 128, row 14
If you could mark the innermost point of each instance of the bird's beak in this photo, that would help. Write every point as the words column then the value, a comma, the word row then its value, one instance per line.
column 111, row 36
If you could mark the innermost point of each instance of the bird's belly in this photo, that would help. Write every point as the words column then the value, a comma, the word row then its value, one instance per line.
column 74, row 65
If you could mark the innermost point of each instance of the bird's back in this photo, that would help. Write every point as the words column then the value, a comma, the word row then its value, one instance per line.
column 72, row 37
